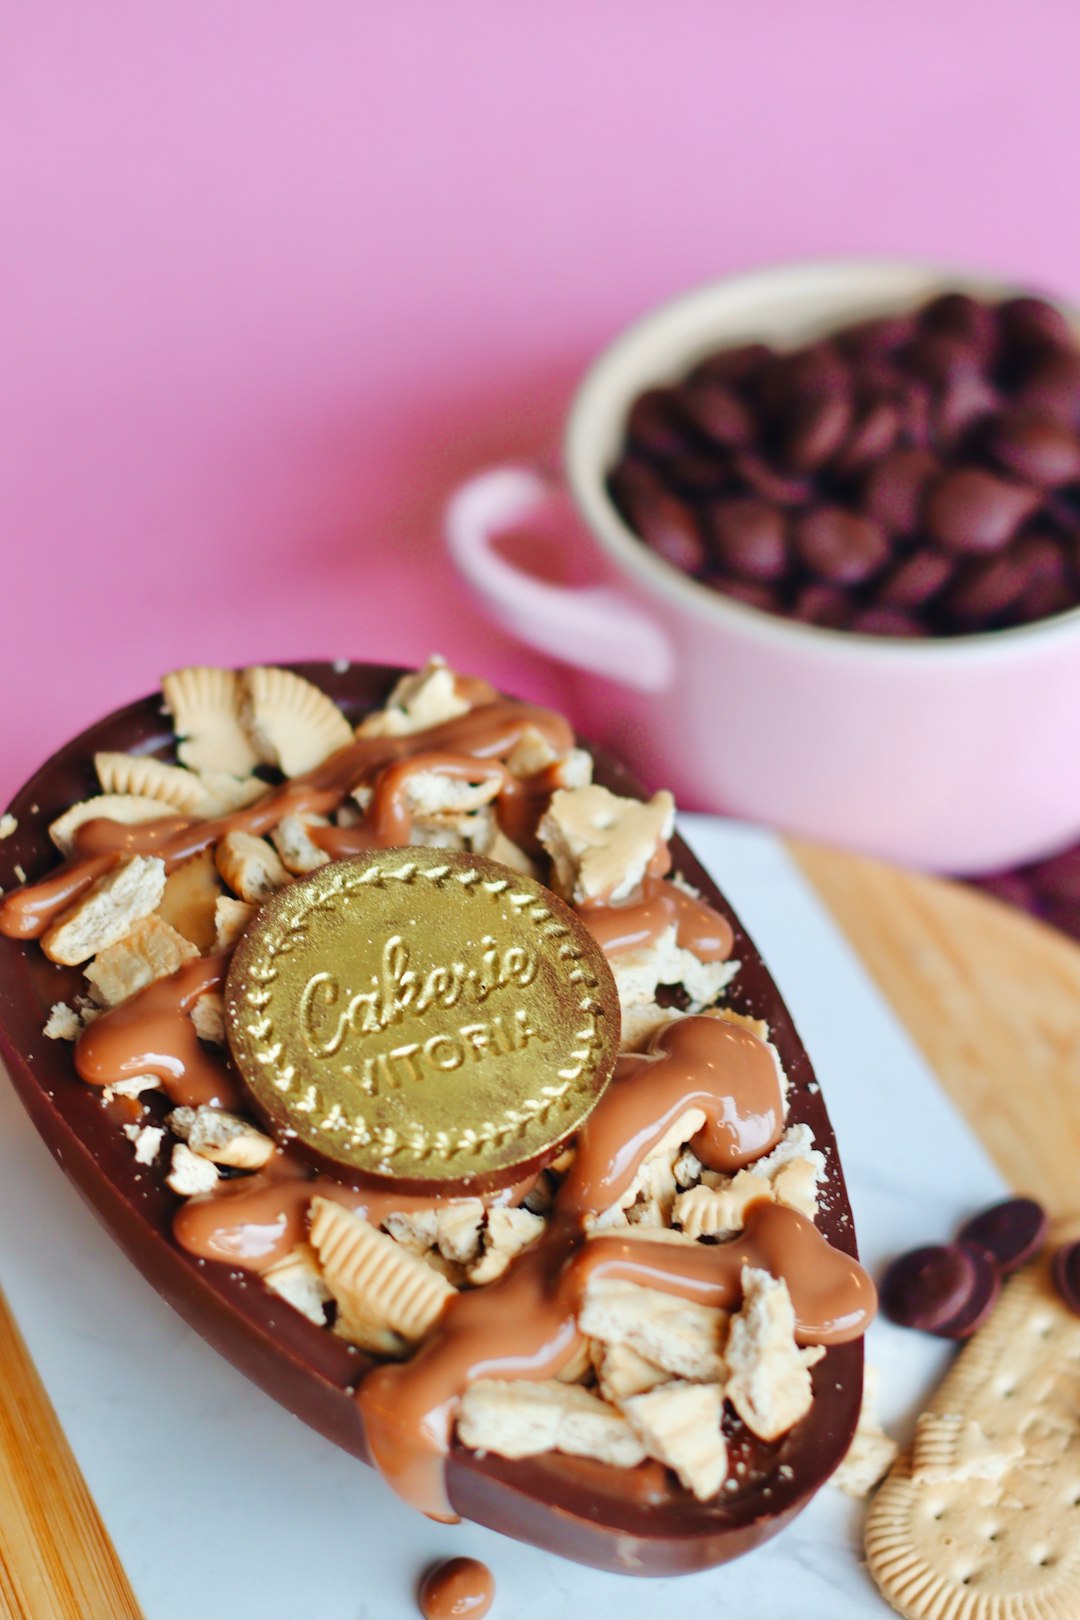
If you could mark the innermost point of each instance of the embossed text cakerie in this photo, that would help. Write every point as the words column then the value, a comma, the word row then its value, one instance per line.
column 421, row 1015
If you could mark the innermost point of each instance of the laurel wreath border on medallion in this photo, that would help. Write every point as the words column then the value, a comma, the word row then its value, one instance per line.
column 267, row 1049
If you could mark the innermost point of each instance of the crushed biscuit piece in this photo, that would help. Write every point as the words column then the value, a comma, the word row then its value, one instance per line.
column 298, row 1280
column 653, row 1188
column 521, row 1419
column 148, row 778
column 231, row 917
column 487, row 838
column 190, row 1174
column 299, row 853
column 640, row 973
column 621, row 1372
column 448, row 801
column 872, row 1452
column 250, row 866
column 208, row 1016
column 205, row 704
column 150, row 951
column 221, row 1137
column 508, row 1232
column 687, row 1169
column 678, row 1334
column 602, row 844
column 290, row 721
column 146, row 1140
column 133, row 1086
column 192, row 891
column 428, row 697
column 376, row 1282
column 768, row 1380
column 63, row 1023
column 458, row 1229
column 579, row 1368
column 122, row 807
column 414, row 1230
column 679, row 1425
column 107, row 910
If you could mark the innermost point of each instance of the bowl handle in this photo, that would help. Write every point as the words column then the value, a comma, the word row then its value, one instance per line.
column 594, row 627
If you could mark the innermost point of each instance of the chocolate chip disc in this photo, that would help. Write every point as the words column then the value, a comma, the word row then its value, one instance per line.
column 908, row 476
column 1065, row 1270
column 929, row 1287
column 1009, row 1232
column 985, row 1288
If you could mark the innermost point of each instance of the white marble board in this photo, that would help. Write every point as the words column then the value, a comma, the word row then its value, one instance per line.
column 220, row 1503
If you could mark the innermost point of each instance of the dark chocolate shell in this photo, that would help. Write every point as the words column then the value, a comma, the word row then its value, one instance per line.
column 637, row 1521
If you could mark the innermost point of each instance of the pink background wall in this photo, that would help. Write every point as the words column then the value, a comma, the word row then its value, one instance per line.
column 275, row 275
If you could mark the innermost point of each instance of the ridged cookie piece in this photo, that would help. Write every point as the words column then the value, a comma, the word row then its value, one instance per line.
column 149, row 778
column 205, row 704
column 291, row 723
column 374, row 1280
column 788, row 1175
column 126, row 808
column 981, row 1519
column 519, row 1418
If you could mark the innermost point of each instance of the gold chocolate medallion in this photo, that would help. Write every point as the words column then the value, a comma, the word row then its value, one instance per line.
column 422, row 1015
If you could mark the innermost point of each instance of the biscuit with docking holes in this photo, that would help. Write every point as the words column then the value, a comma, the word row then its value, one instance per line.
column 978, row 1520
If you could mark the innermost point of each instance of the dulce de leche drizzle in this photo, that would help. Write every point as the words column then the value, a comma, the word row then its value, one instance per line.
column 254, row 1222
column 388, row 822
column 152, row 1033
column 525, row 1324
column 693, row 1063
column 640, row 922
column 489, row 733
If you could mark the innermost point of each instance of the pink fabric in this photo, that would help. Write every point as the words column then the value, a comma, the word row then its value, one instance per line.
column 275, row 276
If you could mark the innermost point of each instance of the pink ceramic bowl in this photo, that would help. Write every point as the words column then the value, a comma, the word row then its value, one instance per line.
column 954, row 754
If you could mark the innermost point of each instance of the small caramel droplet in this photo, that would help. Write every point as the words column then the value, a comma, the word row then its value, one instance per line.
column 423, row 1018
column 460, row 1587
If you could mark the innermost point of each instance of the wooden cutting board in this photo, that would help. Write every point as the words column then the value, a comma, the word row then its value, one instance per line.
column 991, row 997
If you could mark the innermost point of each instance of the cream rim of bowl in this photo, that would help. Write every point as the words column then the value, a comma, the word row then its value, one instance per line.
column 784, row 305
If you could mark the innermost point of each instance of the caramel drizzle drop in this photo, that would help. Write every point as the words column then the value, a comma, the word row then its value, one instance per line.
column 487, row 733
column 254, row 1222
column 152, row 1033
column 638, row 922
column 699, row 1062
